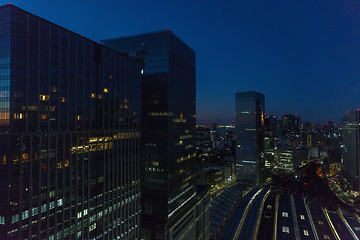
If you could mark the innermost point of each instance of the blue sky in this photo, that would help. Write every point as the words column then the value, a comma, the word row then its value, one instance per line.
column 304, row 56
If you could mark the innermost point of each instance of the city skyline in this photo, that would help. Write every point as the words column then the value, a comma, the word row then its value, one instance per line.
column 99, row 138
column 314, row 51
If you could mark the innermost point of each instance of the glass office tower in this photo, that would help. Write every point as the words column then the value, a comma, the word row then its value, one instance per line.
column 168, row 130
column 69, row 134
column 350, row 131
column 249, row 123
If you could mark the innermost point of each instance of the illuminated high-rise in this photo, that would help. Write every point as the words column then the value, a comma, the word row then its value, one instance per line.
column 69, row 134
column 249, row 123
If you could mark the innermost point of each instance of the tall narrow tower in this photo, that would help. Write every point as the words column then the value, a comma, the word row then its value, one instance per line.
column 249, row 122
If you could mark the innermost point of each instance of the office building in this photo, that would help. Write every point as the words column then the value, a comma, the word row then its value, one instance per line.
column 169, row 126
column 284, row 158
column 69, row 134
column 249, row 123
column 351, row 138
column 270, row 139
column 307, row 127
column 290, row 125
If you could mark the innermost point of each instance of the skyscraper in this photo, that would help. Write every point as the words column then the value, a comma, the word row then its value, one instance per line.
column 249, row 123
column 169, row 123
column 69, row 134
column 290, row 125
column 271, row 132
column 351, row 140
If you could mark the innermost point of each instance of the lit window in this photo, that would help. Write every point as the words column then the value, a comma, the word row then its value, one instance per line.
column 59, row 165
column 106, row 90
column 306, row 232
column 43, row 208
column 25, row 214
column 93, row 95
column 34, row 211
column 44, row 97
column 62, row 99
column 285, row 214
column 18, row 115
column 43, row 116
column 285, row 229
column 92, row 227
column 2, row 220
column 15, row 218
column 78, row 117
column 302, row 217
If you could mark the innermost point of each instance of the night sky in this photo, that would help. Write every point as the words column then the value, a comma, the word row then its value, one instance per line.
column 304, row 56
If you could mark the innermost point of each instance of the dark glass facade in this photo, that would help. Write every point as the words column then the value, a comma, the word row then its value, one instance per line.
column 290, row 125
column 69, row 134
column 169, row 123
column 249, row 123
column 350, row 131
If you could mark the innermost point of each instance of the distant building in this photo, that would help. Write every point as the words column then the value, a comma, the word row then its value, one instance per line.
column 69, row 134
column 214, row 177
column 271, row 132
column 284, row 158
column 290, row 125
column 203, row 143
column 168, row 133
column 351, row 141
column 300, row 155
column 310, row 139
column 307, row 127
column 271, row 126
column 249, row 123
